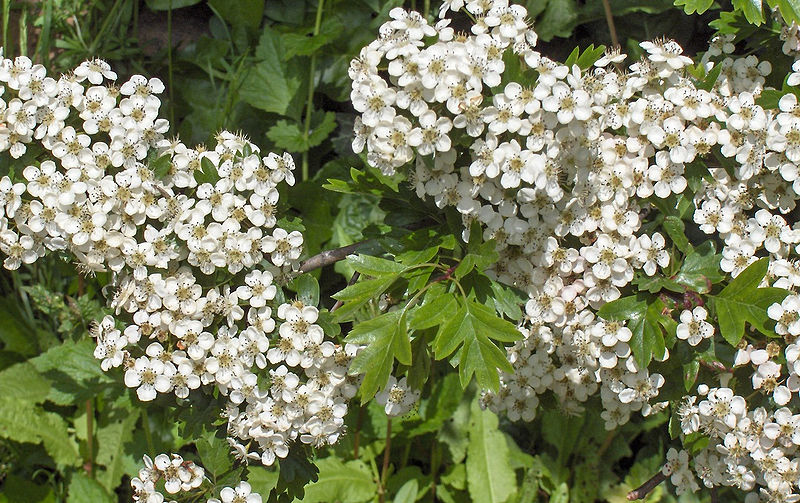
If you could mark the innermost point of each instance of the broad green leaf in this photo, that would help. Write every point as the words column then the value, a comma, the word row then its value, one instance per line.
column 386, row 338
column 307, row 288
column 692, row 6
column 214, row 453
column 271, row 83
column 15, row 489
column 73, row 371
column 23, row 381
column 557, row 20
column 262, row 479
column 677, row 232
column 170, row 4
column 789, row 9
column 643, row 321
column 82, row 489
column 690, row 371
column 350, row 482
column 375, row 266
column 742, row 302
column 407, row 493
column 433, row 312
column 304, row 43
column 439, row 407
column 624, row 308
column 111, row 452
column 27, row 423
column 472, row 331
column 322, row 125
column 752, row 10
column 490, row 479
column 247, row 13
column 288, row 136
column 355, row 296
column 700, row 269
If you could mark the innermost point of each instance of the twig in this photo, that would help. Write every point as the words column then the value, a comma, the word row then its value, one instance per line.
column 610, row 20
column 385, row 470
column 643, row 490
column 339, row 303
column 90, row 438
column 357, row 435
column 329, row 257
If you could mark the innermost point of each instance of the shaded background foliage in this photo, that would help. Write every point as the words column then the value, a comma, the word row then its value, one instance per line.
column 277, row 71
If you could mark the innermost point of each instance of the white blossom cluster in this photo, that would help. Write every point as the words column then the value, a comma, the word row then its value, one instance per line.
column 560, row 166
column 179, row 475
column 191, row 237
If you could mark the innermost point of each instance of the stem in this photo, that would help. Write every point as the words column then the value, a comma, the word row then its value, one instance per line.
column 606, row 444
column 6, row 14
column 169, row 65
column 610, row 20
column 643, row 490
column 714, row 495
column 336, row 306
column 385, row 469
column 329, row 257
column 426, row 8
column 310, row 101
column 90, row 437
column 357, row 435
column 147, row 435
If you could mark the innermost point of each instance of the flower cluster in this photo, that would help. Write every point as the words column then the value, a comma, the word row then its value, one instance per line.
column 192, row 239
column 182, row 476
column 561, row 165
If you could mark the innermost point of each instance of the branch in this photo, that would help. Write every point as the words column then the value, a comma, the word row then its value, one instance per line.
column 329, row 257
column 643, row 490
column 610, row 20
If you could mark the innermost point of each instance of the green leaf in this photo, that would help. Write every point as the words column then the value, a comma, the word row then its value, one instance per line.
column 434, row 311
column 263, row 480
column 789, row 9
column 27, row 423
column 111, row 452
column 473, row 329
column 22, row 381
column 700, row 268
column 350, row 482
column 692, row 6
column 214, row 453
column 374, row 266
column 15, row 489
column 355, row 296
column 490, row 479
column 247, row 13
column 170, row 4
column 742, row 302
column 304, row 43
column 644, row 321
column 272, row 84
column 287, row 136
column 677, row 232
column 558, row 19
column 322, row 125
column 407, row 492
column 386, row 338
column 82, row 489
column 307, row 288
column 73, row 371
column 752, row 10
column 690, row 371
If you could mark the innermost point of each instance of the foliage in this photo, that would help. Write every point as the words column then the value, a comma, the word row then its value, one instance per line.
column 415, row 293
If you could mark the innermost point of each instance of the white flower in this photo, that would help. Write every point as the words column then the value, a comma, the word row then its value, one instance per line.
column 397, row 398
column 693, row 328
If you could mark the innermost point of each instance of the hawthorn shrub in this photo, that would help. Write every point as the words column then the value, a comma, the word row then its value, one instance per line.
column 567, row 280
